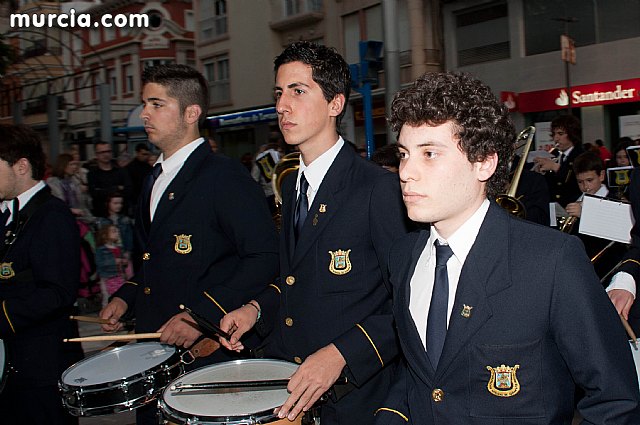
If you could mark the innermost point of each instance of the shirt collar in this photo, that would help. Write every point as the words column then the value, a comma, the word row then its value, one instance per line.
column 463, row 239
column 315, row 172
column 568, row 151
column 23, row 198
column 602, row 192
column 176, row 161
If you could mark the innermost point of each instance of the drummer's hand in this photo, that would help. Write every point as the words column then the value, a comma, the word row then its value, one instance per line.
column 313, row 378
column 113, row 311
column 178, row 332
column 237, row 323
column 622, row 300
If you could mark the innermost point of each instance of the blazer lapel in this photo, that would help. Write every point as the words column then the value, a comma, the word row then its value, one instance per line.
column 331, row 196
column 413, row 349
column 177, row 189
column 485, row 272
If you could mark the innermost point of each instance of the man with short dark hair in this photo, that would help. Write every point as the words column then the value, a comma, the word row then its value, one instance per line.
column 203, row 227
column 39, row 277
column 498, row 318
column 330, row 311
column 107, row 177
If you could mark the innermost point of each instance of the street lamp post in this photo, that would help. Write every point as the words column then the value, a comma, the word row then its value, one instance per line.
column 568, row 54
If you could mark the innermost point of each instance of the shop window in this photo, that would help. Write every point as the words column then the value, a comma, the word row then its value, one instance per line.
column 482, row 34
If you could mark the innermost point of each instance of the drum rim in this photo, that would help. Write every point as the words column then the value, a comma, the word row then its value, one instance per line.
column 256, row 417
column 131, row 378
column 5, row 367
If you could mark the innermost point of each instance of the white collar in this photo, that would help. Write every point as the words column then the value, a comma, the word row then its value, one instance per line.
column 176, row 161
column 23, row 198
column 463, row 239
column 315, row 172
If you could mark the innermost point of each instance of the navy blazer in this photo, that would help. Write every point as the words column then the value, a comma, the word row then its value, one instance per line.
column 532, row 300
column 332, row 287
column 38, row 287
column 211, row 246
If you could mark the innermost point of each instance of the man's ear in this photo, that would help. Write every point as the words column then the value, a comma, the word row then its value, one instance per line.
column 336, row 105
column 192, row 113
column 22, row 167
column 487, row 167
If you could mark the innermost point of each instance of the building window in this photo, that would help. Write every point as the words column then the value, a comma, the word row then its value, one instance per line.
column 109, row 33
column 214, row 19
column 94, row 36
column 217, row 73
column 363, row 25
column 128, row 78
column 482, row 34
column 113, row 82
column 295, row 7
column 597, row 21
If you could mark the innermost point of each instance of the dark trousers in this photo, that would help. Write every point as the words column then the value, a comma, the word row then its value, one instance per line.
column 33, row 406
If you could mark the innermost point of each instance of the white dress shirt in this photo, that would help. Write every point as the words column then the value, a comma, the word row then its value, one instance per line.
column 23, row 199
column 460, row 242
column 170, row 168
column 315, row 172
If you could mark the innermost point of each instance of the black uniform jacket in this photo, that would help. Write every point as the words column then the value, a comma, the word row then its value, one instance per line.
column 563, row 184
column 332, row 286
column 38, row 286
column 211, row 246
column 527, row 298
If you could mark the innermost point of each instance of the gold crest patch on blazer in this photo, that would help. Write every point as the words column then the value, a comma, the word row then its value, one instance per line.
column 340, row 263
column 503, row 381
column 6, row 271
column 183, row 244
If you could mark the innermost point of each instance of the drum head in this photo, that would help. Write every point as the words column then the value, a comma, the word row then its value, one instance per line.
column 230, row 402
column 119, row 363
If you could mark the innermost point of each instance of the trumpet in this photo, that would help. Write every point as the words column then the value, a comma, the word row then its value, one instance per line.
column 567, row 223
column 508, row 200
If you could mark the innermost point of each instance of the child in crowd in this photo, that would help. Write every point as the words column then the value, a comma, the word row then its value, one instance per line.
column 115, row 203
column 112, row 263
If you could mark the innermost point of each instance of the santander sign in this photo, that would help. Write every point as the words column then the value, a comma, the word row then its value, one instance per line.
column 587, row 95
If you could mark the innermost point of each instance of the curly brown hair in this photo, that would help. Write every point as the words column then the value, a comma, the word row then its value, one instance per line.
column 481, row 123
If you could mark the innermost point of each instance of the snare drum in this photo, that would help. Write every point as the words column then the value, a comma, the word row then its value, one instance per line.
column 636, row 358
column 230, row 406
column 4, row 365
column 121, row 379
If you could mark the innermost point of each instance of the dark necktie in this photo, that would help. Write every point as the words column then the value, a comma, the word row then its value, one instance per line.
column 4, row 217
column 302, row 206
column 562, row 157
column 437, row 319
column 145, row 194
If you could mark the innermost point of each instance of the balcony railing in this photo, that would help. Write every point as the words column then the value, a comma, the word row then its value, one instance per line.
column 219, row 92
column 298, row 13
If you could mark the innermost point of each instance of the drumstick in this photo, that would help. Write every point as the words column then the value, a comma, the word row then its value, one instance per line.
column 240, row 384
column 231, row 384
column 91, row 319
column 204, row 323
column 630, row 332
column 123, row 337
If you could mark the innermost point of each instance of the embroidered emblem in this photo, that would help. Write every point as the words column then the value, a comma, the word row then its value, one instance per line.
column 503, row 381
column 466, row 311
column 323, row 208
column 6, row 271
column 183, row 244
column 172, row 196
column 315, row 220
column 340, row 263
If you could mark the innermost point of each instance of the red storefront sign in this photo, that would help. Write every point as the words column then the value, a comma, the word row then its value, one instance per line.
column 587, row 95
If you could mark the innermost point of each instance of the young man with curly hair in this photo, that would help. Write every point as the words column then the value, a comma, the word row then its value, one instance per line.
column 499, row 319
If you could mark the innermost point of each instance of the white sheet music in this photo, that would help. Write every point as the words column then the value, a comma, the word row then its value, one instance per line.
column 606, row 219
